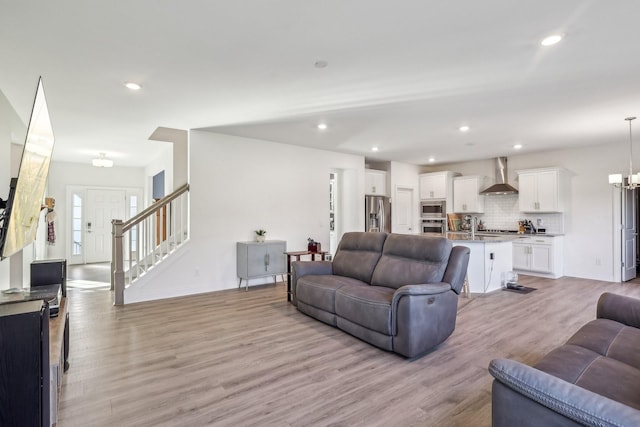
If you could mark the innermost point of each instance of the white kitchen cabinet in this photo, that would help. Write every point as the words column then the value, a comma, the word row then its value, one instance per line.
column 436, row 185
column 375, row 182
column 541, row 190
column 466, row 194
column 260, row 259
column 538, row 255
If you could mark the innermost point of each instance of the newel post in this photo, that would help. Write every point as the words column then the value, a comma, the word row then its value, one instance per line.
column 117, row 262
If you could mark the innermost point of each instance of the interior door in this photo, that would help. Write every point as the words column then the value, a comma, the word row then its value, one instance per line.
column 629, row 235
column 404, row 211
column 102, row 206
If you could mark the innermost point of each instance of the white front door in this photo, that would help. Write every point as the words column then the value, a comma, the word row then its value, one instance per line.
column 629, row 235
column 101, row 206
column 404, row 211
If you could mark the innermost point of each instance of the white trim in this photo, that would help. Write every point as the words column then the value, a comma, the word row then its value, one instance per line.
column 82, row 189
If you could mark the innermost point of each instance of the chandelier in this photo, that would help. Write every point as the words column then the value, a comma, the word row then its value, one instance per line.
column 631, row 181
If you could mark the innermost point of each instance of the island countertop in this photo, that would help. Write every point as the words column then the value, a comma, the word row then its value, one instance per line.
column 466, row 237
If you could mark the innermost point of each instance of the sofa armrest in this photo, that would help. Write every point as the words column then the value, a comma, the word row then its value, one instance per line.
column 414, row 290
column 619, row 308
column 307, row 268
column 315, row 268
column 562, row 397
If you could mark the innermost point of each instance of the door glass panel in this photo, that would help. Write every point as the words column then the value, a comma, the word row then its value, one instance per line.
column 76, row 225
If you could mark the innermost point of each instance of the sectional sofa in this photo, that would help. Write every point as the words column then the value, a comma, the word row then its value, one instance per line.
column 592, row 380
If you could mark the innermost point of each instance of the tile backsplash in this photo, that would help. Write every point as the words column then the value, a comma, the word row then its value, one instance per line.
column 502, row 212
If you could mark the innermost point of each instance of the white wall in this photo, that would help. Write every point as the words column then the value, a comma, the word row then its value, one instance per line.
column 63, row 174
column 162, row 162
column 12, row 130
column 238, row 185
column 588, row 221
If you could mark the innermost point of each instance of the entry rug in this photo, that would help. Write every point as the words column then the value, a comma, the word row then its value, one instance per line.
column 524, row 290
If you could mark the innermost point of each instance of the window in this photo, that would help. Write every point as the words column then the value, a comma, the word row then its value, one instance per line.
column 76, row 225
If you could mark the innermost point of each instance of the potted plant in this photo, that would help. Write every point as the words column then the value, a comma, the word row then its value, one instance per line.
column 261, row 235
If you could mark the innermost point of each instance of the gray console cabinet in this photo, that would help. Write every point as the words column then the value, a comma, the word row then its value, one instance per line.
column 261, row 259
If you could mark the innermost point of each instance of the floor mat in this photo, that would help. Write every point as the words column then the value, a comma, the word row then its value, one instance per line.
column 524, row 290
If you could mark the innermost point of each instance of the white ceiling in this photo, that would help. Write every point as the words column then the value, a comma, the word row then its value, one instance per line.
column 403, row 75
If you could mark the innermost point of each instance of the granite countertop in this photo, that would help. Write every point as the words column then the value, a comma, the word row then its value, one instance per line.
column 464, row 237
column 481, row 236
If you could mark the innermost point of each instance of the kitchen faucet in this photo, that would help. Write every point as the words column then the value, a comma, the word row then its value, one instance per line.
column 474, row 224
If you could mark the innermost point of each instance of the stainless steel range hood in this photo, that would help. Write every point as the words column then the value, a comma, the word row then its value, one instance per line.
column 501, row 186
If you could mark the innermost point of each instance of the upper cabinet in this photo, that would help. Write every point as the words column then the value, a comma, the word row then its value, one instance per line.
column 375, row 182
column 436, row 185
column 541, row 190
column 466, row 194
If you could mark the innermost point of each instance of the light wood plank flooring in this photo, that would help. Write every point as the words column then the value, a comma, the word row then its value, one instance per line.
column 236, row 358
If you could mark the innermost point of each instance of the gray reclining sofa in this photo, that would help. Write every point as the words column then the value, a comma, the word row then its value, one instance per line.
column 397, row 292
column 592, row 380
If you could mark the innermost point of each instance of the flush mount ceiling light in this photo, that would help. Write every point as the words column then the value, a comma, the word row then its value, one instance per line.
column 432, row 159
column 322, row 126
column 133, row 86
column 102, row 161
column 551, row 40
column 631, row 181
column 464, row 128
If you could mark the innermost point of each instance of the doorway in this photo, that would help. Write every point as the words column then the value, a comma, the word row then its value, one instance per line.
column 89, row 222
column 404, row 211
column 629, row 234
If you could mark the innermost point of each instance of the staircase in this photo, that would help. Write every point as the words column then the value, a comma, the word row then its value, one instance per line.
column 146, row 240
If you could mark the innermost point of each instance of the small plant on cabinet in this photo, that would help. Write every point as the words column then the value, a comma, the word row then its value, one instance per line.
column 261, row 235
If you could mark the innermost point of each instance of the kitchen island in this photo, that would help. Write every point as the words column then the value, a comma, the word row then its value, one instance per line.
column 490, row 257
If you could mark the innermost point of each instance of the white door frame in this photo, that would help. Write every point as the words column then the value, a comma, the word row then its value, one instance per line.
column 395, row 206
column 82, row 189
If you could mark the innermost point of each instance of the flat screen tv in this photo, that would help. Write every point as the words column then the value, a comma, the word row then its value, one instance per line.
column 19, row 220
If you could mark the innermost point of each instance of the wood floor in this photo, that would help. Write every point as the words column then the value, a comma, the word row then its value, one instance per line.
column 236, row 358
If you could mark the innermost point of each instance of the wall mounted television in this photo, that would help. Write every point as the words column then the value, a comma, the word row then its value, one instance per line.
column 19, row 219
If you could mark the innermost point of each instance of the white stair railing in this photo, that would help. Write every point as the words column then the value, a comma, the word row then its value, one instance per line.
column 147, row 239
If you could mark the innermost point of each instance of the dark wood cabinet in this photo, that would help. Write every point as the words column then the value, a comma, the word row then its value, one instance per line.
column 24, row 364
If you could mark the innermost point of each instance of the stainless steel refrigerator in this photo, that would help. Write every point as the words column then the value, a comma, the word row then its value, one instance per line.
column 377, row 211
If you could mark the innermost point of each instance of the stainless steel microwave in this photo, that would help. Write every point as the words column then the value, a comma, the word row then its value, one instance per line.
column 434, row 226
column 433, row 209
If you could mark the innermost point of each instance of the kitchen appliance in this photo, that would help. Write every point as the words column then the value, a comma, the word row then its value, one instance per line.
column 466, row 224
column 501, row 187
column 377, row 211
column 433, row 209
column 434, row 226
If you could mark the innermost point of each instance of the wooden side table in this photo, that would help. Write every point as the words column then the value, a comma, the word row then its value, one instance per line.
column 297, row 255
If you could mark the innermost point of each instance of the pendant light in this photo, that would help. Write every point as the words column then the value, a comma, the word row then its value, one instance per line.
column 632, row 181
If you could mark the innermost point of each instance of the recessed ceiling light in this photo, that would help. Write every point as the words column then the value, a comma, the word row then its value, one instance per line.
column 517, row 146
column 322, row 126
column 133, row 86
column 464, row 128
column 431, row 159
column 374, row 148
column 551, row 40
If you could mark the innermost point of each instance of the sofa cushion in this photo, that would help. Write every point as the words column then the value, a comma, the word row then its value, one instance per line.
column 411, row 260
column 368, row 306
column 319, row 291
column 611, row 339
column 592, row 371
column 358, row 254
